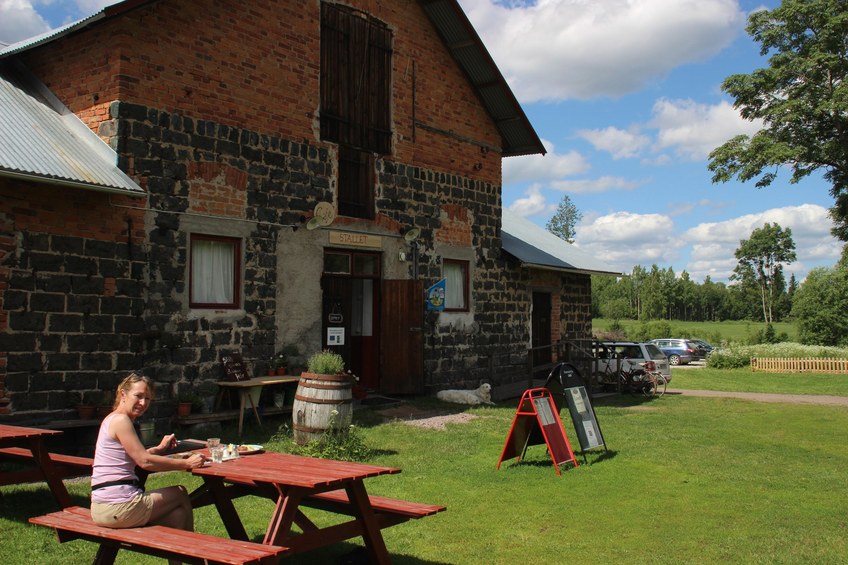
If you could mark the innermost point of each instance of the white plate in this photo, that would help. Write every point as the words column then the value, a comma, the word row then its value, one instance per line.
column 249, row 449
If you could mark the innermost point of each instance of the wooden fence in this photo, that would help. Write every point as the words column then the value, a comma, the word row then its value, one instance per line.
column 799, row 365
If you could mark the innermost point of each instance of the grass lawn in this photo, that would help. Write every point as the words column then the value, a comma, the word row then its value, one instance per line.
column 685, row 480
column 745, row 380
column 713, row 332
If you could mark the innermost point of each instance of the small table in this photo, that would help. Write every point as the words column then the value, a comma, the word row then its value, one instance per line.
column 290, row 479
column 45, row 469
column 245, row 388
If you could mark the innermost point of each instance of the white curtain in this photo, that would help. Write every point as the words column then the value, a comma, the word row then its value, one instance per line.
column 212, row 272
column 454, row 285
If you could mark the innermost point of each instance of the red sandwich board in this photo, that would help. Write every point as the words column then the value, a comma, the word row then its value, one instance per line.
column 537, row 412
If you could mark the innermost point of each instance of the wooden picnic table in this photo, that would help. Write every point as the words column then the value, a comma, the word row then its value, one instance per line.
column 296, row 482
column 45, row 468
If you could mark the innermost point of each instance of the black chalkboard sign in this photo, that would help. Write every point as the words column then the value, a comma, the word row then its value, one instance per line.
column 566, row 386
column 234, row 369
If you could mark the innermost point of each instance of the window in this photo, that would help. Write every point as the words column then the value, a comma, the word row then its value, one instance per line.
column 356, row 184
column 456, row 284
column 356, row 64
column 352, row 263
column 215, row 272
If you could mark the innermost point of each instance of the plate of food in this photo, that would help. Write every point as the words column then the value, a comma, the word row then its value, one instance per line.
column 249, row 449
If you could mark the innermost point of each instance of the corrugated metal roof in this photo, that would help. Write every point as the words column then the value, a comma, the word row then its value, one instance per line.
column 466, row 47
column 519, row 137
column 540, row 249
column 42, row 140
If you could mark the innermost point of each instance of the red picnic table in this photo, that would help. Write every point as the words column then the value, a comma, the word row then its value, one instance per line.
column 14, row 443
column 297, row 482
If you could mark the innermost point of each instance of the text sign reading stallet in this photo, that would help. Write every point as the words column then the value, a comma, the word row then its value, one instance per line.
column 356, row 239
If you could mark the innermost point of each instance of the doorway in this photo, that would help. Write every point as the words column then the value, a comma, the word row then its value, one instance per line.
column 350, row 306
column 541, row 328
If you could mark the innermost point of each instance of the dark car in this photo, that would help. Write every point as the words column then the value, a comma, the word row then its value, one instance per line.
column 678, row 351
column 704, row 347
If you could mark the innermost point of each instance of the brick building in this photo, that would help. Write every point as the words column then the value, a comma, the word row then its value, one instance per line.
column 296, row 173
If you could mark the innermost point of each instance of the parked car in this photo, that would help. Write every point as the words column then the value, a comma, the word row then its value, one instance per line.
column 705, row 348
column 678, row 351
column 633, row 356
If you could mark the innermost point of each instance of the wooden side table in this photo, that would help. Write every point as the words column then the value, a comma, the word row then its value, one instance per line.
column 245, row 388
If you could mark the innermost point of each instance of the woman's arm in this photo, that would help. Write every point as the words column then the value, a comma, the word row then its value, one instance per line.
column 122, row 429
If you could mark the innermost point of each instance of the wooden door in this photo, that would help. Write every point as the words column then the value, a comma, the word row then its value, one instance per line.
column 402, row 337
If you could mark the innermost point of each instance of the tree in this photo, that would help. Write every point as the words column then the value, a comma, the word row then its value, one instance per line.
column 565, row 220
column 802, row 98
column 760, row 259
column 820, row 307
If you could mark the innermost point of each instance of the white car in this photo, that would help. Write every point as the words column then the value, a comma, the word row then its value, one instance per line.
column 633, row 355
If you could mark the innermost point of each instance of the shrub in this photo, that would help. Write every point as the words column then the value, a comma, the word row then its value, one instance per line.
column 325, row 363
column 740, row 355
column 341, row 444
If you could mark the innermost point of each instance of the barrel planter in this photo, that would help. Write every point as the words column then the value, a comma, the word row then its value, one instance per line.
column 316, row 398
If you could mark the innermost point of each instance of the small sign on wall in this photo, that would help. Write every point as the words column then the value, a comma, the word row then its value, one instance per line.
column 335, row 336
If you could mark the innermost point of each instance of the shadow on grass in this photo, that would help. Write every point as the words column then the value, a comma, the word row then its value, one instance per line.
column 21, row 505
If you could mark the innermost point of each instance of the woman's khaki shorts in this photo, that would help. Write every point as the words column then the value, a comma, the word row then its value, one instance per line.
column 130, row 514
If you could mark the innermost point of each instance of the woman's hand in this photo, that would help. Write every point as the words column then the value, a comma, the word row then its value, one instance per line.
column 194, row 461
column 168, row 442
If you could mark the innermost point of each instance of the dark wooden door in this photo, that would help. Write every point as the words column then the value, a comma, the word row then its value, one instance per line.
column 402, row 337
column 541, row 327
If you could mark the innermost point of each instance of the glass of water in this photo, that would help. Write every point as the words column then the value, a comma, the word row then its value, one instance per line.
column 217, row 454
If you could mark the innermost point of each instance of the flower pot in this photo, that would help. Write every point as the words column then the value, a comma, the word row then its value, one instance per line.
column 86, row 411
column 183, row 409
column 282, row 371
column 103, row 411
column 272, row 371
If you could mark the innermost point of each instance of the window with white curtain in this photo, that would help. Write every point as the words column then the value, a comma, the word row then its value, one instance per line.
column 456, row 284
column 215, row 271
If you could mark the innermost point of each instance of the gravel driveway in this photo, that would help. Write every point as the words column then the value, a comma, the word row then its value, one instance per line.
column 768, row 397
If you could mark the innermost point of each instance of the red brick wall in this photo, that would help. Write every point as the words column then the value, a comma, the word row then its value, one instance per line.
column 256, row 66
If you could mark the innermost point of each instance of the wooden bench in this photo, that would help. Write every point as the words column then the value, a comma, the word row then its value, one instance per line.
column 161, row 541
column 68, row 465
column 391, row 511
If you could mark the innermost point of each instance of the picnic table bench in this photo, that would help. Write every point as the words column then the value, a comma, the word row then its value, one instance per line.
column 161, row 541
column 66, row 465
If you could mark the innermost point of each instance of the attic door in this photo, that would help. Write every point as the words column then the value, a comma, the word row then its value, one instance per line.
column 356, row 80
column 402, row 337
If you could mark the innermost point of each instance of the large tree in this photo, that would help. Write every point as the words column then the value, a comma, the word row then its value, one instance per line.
column 761, row 259
column 564, row 221
column 820, row 307
column 801, row 97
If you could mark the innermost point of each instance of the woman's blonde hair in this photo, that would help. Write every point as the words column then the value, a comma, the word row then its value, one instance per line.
column 127, row 383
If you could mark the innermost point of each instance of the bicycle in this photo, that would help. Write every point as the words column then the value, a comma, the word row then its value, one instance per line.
column 638, row 381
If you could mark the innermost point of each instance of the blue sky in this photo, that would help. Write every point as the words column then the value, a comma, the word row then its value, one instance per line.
column 626, row 95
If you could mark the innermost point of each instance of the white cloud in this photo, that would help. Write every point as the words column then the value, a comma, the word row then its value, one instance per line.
column 539, row 168
column 624, row 239
column 714, row 244
column 596, row 185
column 579, row 49
column 534, row 203
column 693, row 130
column 619, row 143
column 19, row 20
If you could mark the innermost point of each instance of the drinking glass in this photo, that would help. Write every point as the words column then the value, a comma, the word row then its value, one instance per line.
column 217, row 454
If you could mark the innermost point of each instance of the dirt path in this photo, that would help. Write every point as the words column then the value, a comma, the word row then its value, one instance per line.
column 825, row 400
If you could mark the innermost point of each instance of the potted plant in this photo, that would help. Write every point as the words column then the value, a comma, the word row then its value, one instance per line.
column 280, row 361
column 324, row 398
column 185, row 401
column 106, row 402
column 86, row 410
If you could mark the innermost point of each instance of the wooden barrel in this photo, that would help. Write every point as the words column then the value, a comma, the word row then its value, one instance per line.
column 316, row 398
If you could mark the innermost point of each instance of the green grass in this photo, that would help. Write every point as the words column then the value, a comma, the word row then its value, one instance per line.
column 713, row 332
column 745, row 380
column 685, row 480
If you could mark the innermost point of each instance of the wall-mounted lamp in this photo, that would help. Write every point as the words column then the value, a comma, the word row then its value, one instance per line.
column 410, row 234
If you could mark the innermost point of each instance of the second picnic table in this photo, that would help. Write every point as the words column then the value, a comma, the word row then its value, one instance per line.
column 296, row 482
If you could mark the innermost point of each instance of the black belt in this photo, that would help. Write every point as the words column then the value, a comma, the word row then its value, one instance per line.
column 133, row 482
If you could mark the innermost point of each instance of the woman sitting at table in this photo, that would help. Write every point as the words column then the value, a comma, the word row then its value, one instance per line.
column 118, row 499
